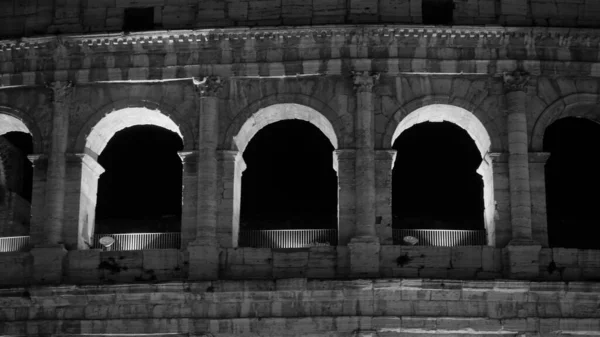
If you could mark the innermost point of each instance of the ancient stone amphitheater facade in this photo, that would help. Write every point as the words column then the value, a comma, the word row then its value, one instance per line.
column 360, row 71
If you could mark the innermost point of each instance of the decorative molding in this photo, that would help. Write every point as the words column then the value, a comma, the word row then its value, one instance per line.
column 364, row 81
column 516, row 81
column 208, row 86
column 397, row 32
column 60, row 91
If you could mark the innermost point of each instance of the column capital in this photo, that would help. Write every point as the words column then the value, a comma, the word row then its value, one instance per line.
column 60, row 91
column 231, row 155
column 87, row 160
column 515, row 81
column 188, row 156
column 37, row 159
column 208, row 86
column 364, row 81
column 539, row 157
column 498, row 157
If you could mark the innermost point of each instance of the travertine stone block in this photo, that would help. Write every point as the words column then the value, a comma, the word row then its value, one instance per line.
column 523, row 261
column 203, row 262
column 48, row 262
column 364, row 257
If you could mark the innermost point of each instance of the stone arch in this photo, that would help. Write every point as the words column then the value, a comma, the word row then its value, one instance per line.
column 440, row 109
column 284, row 107
column 13, row 120
column 93, row 138
column 462, row 117
column 16, row 120
column 575, row 105
column 114, row 117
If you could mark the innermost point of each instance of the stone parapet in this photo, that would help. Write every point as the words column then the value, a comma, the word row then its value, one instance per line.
column 321, row 262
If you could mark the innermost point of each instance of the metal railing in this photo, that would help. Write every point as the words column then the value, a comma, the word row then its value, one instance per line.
column 441, row 237
column 14, row 244
column 141, row 241
column 290, row 238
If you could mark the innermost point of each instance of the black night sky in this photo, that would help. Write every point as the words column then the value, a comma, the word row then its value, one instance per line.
column 289, row 182
column 573, row 183
column 435, row 183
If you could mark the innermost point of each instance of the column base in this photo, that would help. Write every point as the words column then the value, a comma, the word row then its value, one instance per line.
column 523, row 259
column 203, row 262
column 364, row 256
column 48, row 263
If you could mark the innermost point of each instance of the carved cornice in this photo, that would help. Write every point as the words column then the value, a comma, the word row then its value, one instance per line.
column 398, row 32
column 364, row 81
column 516, row 81
column 208, row 86
column 60, row 91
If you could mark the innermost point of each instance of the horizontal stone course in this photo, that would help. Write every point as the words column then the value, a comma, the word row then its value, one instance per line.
column 380, row 304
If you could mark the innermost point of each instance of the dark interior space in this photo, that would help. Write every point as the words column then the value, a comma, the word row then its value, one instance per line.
column 437, row 12
column 289, row 182
column 572, row 183
column 434, row 181
column 22, row 172
column 140, row 191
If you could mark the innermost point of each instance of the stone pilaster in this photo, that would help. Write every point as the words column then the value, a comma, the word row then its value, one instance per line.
column 523, row 251
column 81, row 194
column 204, row 257
column 49, row 252
column 537, row 183
column 344, row 162
column 60, row 97
column 384, row 164
column 229, row 190
column 364, row 246
column 39, row 164
column 207, row 91
column 189, row 196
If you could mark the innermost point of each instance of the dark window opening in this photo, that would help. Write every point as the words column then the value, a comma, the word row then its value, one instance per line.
column 140, row 190
column 572, row 182
column 437, row 12
column 289, row 182
column 16, row 179
column 434, row 181
column 138, row 19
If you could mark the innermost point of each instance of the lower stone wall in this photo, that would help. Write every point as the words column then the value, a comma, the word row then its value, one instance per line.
column 301, row 307
column 459, row 263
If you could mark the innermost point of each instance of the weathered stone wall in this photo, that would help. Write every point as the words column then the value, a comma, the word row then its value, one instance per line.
column 25, row 18
column 294, row 307
column 455, row 263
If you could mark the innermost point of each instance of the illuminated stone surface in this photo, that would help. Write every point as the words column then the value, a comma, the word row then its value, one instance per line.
column 362, row 72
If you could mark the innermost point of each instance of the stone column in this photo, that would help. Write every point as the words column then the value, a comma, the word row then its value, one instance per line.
column 204, row 259
column 48, row 255
column 38, row 196
column 537, row 184
column 384, row 164
column 364, row 246
column 81, row 194
column 60, row 96
column 343, row 163
column 229, row 190
column 523, row 251
column 189, row 196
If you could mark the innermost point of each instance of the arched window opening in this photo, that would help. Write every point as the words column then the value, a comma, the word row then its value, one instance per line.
column 16, row 175
column 140, row 190
column 434, row 181
column 572, row 182
column 289, row 182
